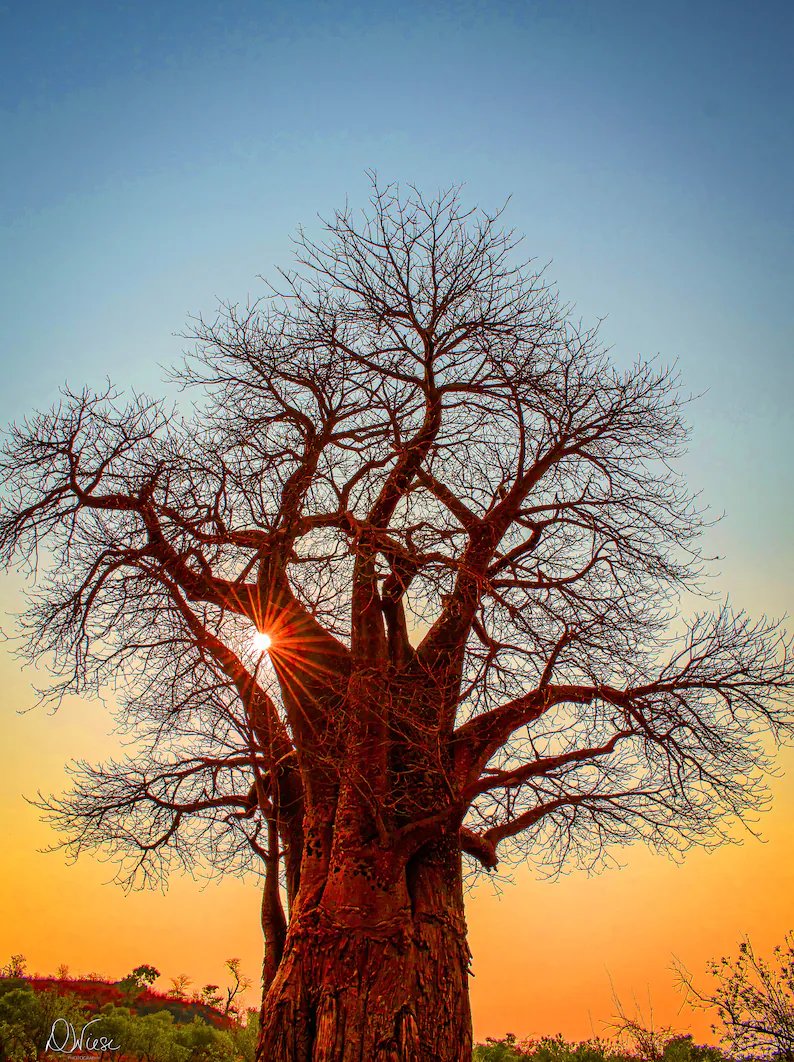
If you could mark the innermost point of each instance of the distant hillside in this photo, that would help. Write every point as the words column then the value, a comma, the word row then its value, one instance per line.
column 95, row 994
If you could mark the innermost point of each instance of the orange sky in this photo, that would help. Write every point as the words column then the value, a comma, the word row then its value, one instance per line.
column 546, row 955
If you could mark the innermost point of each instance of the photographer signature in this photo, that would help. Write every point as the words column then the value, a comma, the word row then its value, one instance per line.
column 65, row 1040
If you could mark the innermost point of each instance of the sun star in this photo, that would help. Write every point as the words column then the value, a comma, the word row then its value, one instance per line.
column 261, row 642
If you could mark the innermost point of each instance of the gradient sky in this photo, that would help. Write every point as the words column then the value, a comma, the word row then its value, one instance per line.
column 157, row 157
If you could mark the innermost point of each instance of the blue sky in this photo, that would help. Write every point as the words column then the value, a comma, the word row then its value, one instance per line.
column 159, row 156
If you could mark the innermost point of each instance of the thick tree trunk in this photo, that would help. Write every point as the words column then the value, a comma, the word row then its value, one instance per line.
column 375, row 966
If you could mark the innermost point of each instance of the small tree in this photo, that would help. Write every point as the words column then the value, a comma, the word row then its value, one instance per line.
column 136, row 982
column 643, row 1038
column 15, row 967
column 179, row 986
column 239, row 984
column 150, row 1037
column 210, row 994
column 754, row 999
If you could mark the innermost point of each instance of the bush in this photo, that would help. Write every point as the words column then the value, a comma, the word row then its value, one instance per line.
column 27, row 1016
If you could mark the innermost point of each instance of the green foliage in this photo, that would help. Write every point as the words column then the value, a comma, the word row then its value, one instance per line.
column 27, row 1017
column 244, row 1036
column 684, row 1049
column 157, row 1037
column 150, row 1037
column 116, row 1022
column 506, row 1050
column 557, row 1049
column 206, row 1043
column 16, row 1045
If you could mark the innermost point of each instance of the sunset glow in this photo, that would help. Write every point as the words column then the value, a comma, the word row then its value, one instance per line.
column 261, row 642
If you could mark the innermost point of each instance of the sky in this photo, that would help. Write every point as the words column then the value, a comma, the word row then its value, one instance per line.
column 159, row 157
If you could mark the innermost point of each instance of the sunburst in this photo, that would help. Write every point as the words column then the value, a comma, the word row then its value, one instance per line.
column 261, row 642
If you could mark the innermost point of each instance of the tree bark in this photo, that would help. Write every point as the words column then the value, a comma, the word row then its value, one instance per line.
column 375, row 968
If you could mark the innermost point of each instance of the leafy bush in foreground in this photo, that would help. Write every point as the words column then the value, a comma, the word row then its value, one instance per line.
column 27, row 1017
column 557, row 1049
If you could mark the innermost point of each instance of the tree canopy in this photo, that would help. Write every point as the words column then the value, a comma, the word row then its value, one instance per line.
column 463, row 530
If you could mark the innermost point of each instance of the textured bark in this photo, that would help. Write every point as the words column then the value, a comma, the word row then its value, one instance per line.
column 376, row 970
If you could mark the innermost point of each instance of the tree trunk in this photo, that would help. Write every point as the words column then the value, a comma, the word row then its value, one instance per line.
column 375, row 969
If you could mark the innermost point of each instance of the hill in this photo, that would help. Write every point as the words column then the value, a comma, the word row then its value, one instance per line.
column 96, row 993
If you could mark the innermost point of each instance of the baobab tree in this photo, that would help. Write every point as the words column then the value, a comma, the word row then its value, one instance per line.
column 460, row 534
